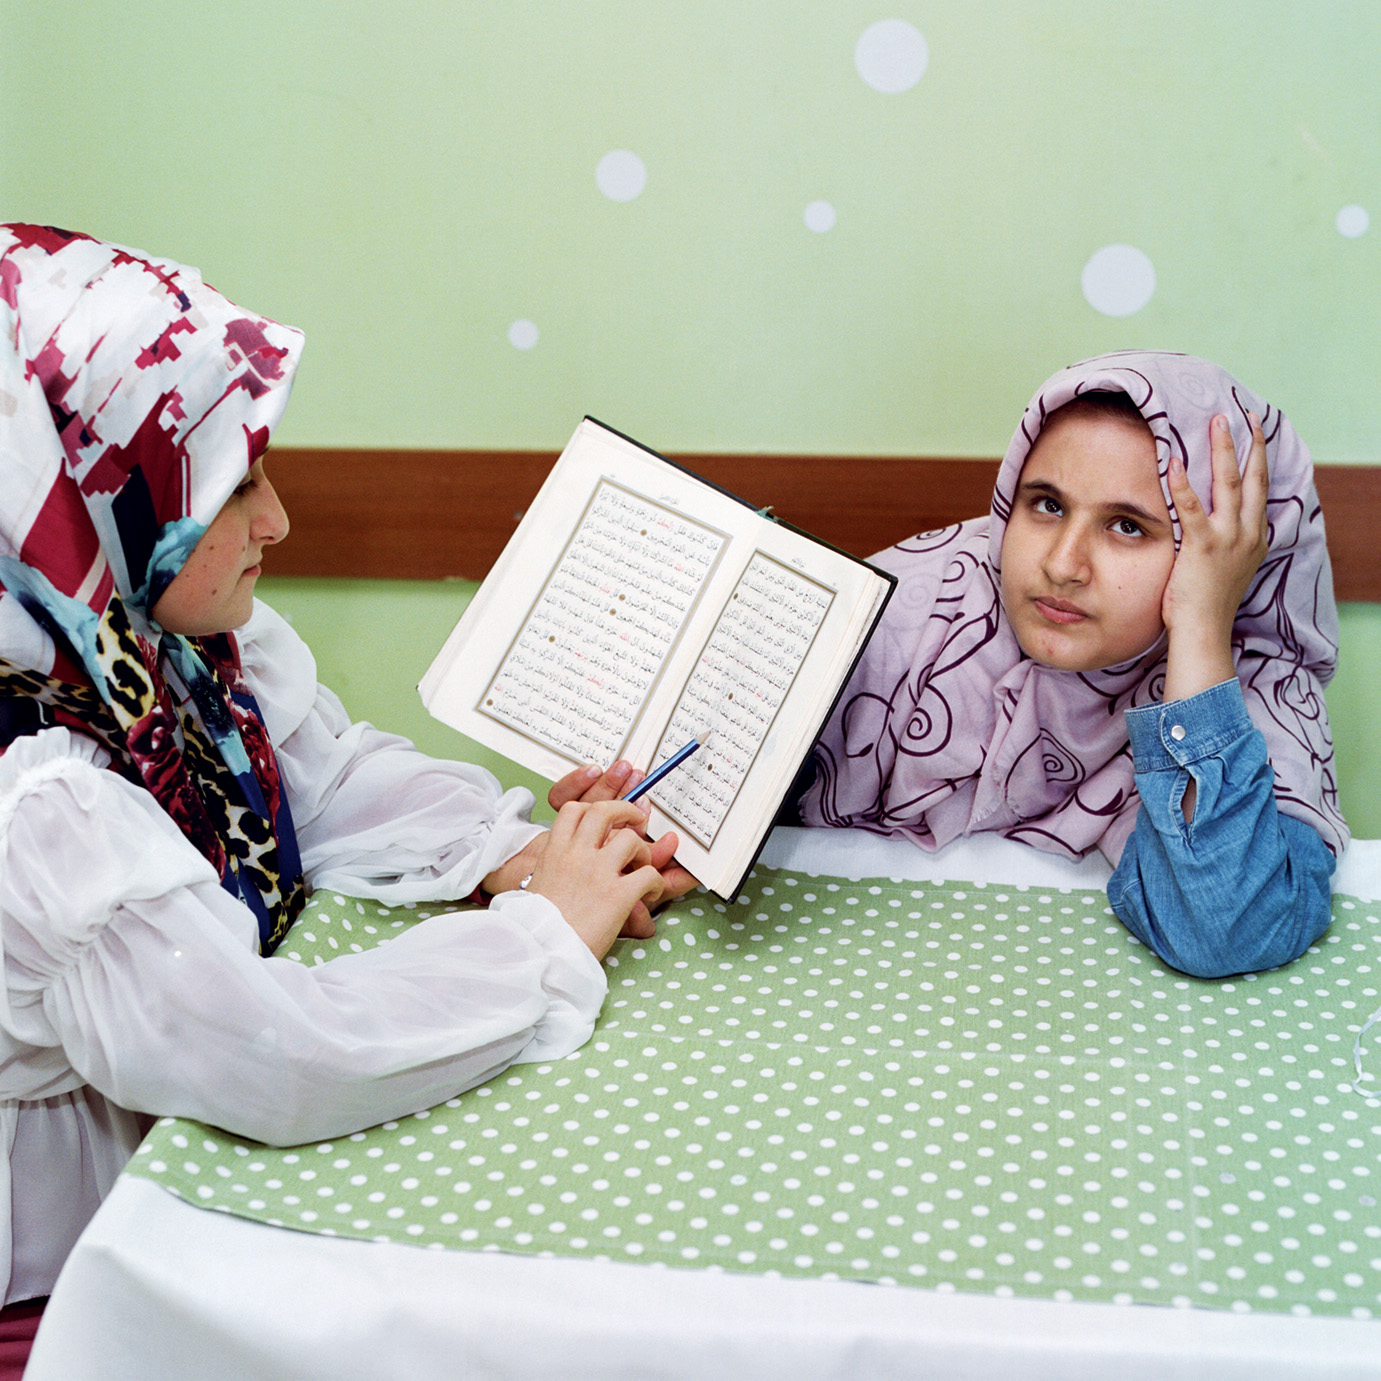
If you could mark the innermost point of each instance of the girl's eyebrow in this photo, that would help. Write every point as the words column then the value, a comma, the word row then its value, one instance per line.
column 1121, row 508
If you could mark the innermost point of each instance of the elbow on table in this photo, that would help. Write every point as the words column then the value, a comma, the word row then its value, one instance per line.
column 1224, row 962
column 1235, row 937
column 305, row 1107
column 291, row 1120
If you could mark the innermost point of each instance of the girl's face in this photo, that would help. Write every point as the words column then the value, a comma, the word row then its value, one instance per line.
column 1089, row 546
column 214, row 591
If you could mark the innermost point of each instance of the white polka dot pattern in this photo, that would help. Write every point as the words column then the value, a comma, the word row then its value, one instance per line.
column 963, row 1088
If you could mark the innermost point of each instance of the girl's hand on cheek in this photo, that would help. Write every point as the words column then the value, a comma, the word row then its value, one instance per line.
column 1219, row 554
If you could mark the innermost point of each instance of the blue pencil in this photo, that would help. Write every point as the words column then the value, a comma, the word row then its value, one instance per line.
column 657, row 773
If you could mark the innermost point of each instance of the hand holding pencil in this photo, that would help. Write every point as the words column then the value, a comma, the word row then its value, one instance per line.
column 661, row 770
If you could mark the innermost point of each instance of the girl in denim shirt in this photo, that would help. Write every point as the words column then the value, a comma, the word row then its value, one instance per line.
column 1128, row 652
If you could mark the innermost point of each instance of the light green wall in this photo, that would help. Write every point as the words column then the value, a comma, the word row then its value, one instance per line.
column 373, row 639
column 1354, row 710
column 406, row 180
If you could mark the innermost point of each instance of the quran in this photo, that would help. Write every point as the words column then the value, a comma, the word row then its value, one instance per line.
column 637, row 607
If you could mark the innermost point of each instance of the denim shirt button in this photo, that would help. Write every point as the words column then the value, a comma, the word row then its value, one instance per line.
column 1177, row 732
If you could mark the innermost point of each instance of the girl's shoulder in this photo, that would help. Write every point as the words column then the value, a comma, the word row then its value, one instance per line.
column 945, row 556
column 949, row 563
column 46, row 756
column 77, row 840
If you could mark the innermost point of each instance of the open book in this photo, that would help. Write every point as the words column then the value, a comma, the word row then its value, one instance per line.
column 637, row 607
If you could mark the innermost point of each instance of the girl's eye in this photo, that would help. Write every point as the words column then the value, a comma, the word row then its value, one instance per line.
column 1045, row 504
column 1126, row 527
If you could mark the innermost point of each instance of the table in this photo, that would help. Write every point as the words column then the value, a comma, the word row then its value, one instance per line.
column 1105, row 1045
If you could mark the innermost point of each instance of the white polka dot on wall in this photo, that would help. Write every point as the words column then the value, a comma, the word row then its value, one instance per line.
column 891, row 56
column 819, row 216
column 621, row 175
column 1352, row 221
column 523, row 334
column 1118, row 280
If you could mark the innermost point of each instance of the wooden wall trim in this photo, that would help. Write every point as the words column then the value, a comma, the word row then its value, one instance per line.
column 425, row 515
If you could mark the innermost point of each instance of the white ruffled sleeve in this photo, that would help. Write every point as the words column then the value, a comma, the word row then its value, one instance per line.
column 122, row 952
column 374, row 817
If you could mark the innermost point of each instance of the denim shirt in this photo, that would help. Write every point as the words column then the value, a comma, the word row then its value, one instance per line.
column 1238, row 888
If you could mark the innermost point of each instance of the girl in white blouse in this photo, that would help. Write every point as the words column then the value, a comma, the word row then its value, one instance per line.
column 169, row 788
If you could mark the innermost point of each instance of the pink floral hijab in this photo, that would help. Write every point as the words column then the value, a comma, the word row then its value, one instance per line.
column 133, row 400
column 947, row 728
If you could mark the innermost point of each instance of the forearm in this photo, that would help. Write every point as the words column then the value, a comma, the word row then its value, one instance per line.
column 376, row 817
column 198, row 1026
column 126, row 965
column 1237, row 887
column 1199, row 658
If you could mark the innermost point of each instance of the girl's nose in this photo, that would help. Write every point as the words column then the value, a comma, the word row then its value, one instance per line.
column 1066, row 559
column 270, row 517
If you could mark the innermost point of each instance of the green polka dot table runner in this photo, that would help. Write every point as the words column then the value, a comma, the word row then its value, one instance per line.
column 977, row 1088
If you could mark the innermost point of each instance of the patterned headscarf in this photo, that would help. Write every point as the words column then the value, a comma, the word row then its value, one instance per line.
column 133, row 401
column 947, row 728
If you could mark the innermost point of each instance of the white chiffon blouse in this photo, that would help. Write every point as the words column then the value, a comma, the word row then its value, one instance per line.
column 133, row 986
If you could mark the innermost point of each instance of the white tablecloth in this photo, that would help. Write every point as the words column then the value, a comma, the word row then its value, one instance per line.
column 156, row 1288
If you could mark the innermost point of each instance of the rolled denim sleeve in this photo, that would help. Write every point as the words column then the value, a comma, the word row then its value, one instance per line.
column 1238, row 888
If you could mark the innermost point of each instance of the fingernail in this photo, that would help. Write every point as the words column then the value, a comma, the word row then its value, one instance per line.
column 1253, row 419
column 620, row 770
column 590, row 772
column 1220, row 423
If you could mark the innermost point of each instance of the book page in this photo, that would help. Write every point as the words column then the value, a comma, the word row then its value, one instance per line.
column 597, row 638
column 736, row 689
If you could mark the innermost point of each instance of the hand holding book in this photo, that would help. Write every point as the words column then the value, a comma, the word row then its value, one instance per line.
column 637, row 607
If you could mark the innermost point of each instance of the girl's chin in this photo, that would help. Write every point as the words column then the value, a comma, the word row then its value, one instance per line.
column 1054, row 648
column 1066, row 663
column 1083, row 645
column 1051, row 653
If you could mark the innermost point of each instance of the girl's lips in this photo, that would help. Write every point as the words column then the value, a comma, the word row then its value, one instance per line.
column 1060, row 611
